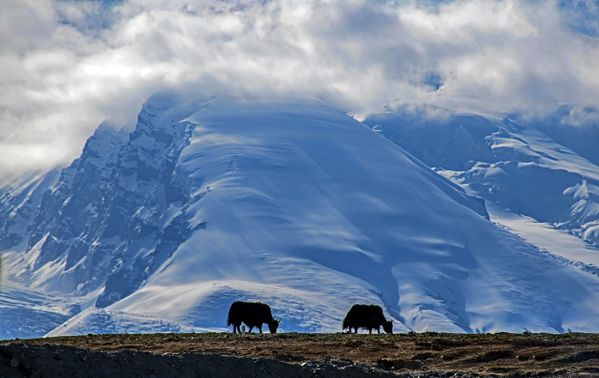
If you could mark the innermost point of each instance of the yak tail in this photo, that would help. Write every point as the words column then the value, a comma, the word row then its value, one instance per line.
column 234, row 312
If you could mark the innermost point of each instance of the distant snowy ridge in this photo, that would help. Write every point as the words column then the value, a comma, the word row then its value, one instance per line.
column 519, row 165
column 295, row 204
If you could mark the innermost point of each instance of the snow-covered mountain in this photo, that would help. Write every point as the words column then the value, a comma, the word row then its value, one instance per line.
column 535, row 176
column 292, row 203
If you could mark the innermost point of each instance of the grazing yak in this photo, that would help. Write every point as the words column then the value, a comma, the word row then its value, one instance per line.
column 367, row 316
column 253, row 314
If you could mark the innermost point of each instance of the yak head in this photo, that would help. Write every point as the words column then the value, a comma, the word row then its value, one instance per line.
column 273, row 325
column 388, row 326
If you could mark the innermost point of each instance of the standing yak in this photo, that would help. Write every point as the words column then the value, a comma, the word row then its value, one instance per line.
column 253, row 314
column 367, row 316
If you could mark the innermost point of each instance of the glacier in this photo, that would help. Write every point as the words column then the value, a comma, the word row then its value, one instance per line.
column 297, row 204
column 541, row 173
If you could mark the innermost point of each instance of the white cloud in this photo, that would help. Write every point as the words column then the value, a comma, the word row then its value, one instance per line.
column 66, row 66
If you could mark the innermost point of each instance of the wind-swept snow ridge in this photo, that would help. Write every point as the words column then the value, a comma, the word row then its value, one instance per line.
column 297, row 205
column 519, row 165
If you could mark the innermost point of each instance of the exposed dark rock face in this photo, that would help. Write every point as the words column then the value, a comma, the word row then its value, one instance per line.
column 114, row 215
column 18, row 206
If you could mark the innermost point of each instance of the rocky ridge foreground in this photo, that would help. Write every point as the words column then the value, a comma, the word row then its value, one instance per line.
column 303, row 355
column 22, row 360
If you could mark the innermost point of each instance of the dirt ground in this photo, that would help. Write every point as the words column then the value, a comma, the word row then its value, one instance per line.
column 445, row 354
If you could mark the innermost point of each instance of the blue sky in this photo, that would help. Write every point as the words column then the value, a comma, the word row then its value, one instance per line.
column 69, row 65
column 581, row 15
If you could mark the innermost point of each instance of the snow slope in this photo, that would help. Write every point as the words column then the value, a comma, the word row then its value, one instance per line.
column 19, row 200
column 295, row 204
column 27, row 313
column 520, row 166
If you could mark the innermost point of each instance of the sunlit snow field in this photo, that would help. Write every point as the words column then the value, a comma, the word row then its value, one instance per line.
column 294, row 204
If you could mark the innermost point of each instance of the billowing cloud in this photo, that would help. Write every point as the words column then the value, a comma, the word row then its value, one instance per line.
column 66, row 66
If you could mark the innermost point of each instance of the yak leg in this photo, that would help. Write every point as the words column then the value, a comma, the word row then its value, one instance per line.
column 260, row 328
column 356, row 330
column 378, row 330
column 250, row 330
column 370, row 331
